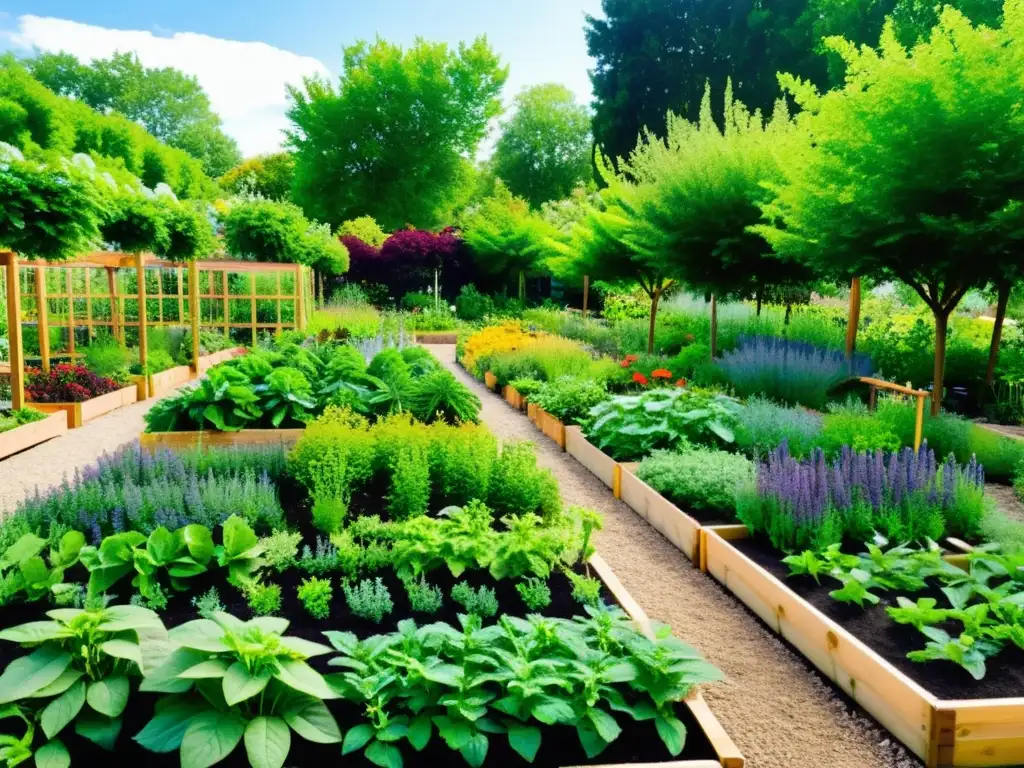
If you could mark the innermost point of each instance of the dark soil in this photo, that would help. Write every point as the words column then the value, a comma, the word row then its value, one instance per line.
column 638, row 742
column 705, row 516
column 872, row 626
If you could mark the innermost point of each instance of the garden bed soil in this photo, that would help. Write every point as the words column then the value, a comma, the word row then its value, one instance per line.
column 27, row 435
column 638, row 743
column 892, row 641
column 80, row 413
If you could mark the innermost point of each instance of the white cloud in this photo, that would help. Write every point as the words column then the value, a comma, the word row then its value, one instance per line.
column 244, row 80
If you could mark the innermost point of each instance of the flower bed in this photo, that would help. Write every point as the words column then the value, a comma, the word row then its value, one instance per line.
column 943, row 730
column 33, row 433
column 80, row 413
column 237, row 646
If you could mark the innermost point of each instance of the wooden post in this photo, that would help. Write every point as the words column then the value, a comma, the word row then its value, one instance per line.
column 872, row 397
column 252, row 305
column 69, row 290
column 277, row 274
column 853, row 318
column 193, row 310
column 17, row 351
column 586, row 293
column 181, row 297
column 140, row 268
column 115, row 307
column 300, row 304
column 226, row 310
column 42, row 313
column 919, row 424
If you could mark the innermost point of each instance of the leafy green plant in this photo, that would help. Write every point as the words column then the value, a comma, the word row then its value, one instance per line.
column 80, row 657
column 459, row 538
column 764, row 425
column 329, row 514
column 519, row 485
column 535, row 594
column 224, row 400
column 585, row 589
column 281, row 549
column 316, row 595
column 481, row 602
column 439, row 395
column 324, row 560
column 369, row 600
column 964, row 650
column 629, row 427
column 264, row 599
column 423, row 596
column 24, row 572
column 229, row 681
column 241, row 551
column 698, row 479
column 528, row 547
column 208, row 603
column 569, row 399
column 106, row 356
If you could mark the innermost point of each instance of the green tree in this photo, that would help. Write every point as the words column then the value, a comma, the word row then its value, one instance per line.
column 505, row 238
column 701, row 191
column 544, row 149
column 267, row 175
column 913, row 168
column 391, row 142
column 265, row 230
column 168, row 103
column 366, row 229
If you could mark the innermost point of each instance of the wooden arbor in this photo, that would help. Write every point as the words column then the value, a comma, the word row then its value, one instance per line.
column 113, row 292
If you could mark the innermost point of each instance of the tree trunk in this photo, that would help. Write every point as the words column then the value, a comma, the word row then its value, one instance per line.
column 654, row 316
column 789, row 313
column 714, row 326
column 941, row 326
column 997, row 332
column 586, row 293
column 522, row 286
column 853, row 319
column 760, row 296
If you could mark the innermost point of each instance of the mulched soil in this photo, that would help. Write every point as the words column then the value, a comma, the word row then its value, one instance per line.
column 892, row 641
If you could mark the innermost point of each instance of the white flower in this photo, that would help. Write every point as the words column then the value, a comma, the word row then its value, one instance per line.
column 452, row 307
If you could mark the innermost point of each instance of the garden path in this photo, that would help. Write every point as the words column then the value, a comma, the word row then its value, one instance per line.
column 46, row 465
column 779, row 711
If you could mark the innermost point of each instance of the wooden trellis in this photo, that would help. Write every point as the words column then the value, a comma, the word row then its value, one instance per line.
column 124, row 294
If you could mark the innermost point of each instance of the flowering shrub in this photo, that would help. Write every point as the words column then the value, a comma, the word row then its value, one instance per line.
column 906, row 496
column 764, row 426
column 67, row 384
column 493, row 339
column 791, row 372
column 629, row 427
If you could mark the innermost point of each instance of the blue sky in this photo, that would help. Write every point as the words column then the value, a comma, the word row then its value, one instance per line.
column 541, row 41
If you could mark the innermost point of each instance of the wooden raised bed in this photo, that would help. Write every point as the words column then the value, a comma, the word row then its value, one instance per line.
column 729, row 755
column 165, row 382
column 206, row 362
column 943, row 733
column 664, row 516
column 513, row 398
column 437, row 337
column 550, row 426
column 491, row 381
column 80, row 413
column 27, row 435
column 188, row 440
column 599, row 463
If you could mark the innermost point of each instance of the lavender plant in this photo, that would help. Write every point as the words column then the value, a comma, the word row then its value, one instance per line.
column 906, row 496
column 791, row 372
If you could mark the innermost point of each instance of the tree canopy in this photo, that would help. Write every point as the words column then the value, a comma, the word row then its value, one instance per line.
column 392, row 140
column 912, row 169
column 267, row 175
column 166, row 102
column 544, row 149
column 264, row 230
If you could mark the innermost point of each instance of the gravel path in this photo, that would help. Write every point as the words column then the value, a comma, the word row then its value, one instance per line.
column 780, row 713
column 45, row 465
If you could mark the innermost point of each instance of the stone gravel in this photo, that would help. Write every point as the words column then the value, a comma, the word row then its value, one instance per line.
column 778, row 710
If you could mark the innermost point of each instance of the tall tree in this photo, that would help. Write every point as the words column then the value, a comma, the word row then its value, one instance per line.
column 266, row 175
column 544, row 149
column 913, row 168
column 654, row 56
column 391, row 142
column 168, row 103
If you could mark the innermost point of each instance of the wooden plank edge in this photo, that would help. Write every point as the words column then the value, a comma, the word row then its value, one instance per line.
column 35, row 433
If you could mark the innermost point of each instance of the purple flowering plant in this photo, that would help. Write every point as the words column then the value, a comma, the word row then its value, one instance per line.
column 904, row 495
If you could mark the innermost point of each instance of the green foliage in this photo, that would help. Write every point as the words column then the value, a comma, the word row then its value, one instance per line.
column 764, row 425
column 535, row 593
column 325, row 559
column 544, row 149
column 281, row 549
column 366, row 229
column 264, row 599
column 423, row 596
column 569, row 399
column 851, row 425
column 316, row 595
column 429, row 103
column 481, row 602
column 208, row 603
column 14, row 419
column 586, row 590
column 25, row 573
column 269, row 176
column 409, row 495
column 518, row 484
column 629, row 427
column 241, row 551
column 265, row 230
column 439, row 395
column 228, row 680
column 369, row 600
column 329, row 514
column 698, row 479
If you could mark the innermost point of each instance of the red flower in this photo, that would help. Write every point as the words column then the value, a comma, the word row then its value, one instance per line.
column 681, row 383
column 631, row 359
column 661, row 373
column 624, row 363
column 639, row 378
